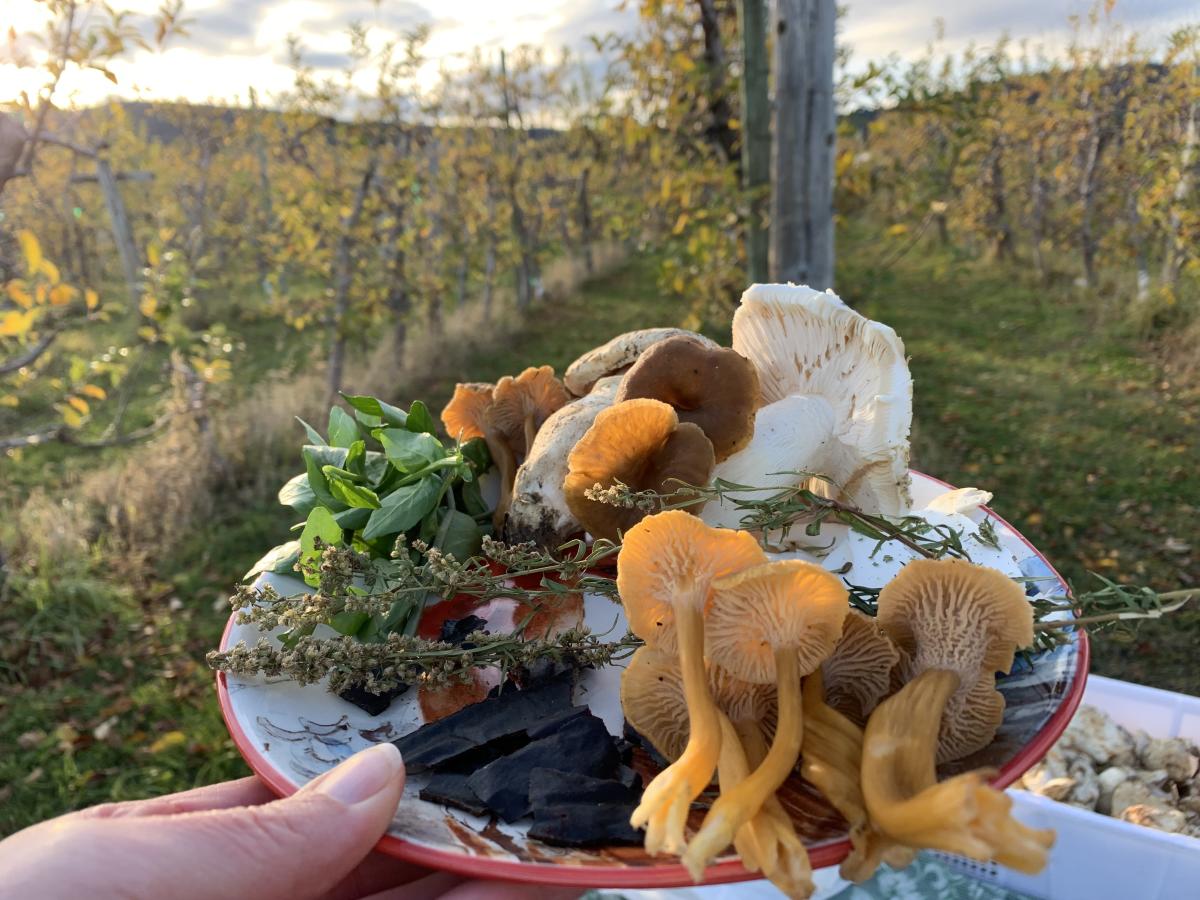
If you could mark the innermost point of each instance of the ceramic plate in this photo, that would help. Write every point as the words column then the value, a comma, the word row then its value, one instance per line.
column 290, row 734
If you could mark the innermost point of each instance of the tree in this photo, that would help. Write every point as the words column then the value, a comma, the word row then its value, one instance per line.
column 804, row 143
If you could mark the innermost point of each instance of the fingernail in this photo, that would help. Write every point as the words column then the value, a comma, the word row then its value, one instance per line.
column 362, row 775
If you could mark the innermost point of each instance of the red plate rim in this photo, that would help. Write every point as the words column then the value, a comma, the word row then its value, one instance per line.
column 667, row 874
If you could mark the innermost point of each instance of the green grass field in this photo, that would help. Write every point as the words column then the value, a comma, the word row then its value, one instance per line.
column 103, row 689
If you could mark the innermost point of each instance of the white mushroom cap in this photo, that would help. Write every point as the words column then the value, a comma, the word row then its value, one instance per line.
column 807, row 344
column 539, row 510
column 618, row 355
column 961, row 501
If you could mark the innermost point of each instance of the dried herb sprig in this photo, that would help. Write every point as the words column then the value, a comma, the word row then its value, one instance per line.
column 404, row 659
column 786, row 508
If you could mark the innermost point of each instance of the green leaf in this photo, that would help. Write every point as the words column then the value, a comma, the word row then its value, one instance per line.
column 281, row 560
column 419, row 419
column 373, row 412
column 292, row 636
column 314, row 436
column 343, row 430
column 356, row 459
column 342, row 486
column 408, row 451
column 403, row 508
column 315, row 457
column 320, row 524
column 375, row 467
column 298, row 495
column 458, row 535
column 472, row 498
column 354, row 518
column 349, row 623
column 475, row 452
column 394, row 619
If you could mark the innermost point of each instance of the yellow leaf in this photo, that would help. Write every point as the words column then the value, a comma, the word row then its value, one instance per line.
column 15, row 324
column 898, row 229
column 31, row 249
column 148, row 306
column 9, row 400
column 91, row 298
column 17, row 293
column 167, row 741
column 152, row 254
column 79, row 404
column 50, row 270
column 680, row 224
column 146, row 333
column 62, row 294
column 94, row 391
column 666, row 188
column 71, row 417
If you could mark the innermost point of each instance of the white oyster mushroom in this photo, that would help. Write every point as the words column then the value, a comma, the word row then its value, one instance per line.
column 966, row 501
column 1110, row 779
column 618, row 355
column 1172, row 754
column 539, row 510
column 1154, row 815
column 836, row 400
column 1094, row 734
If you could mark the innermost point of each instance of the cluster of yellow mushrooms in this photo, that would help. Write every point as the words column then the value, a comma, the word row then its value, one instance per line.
column 755, row 667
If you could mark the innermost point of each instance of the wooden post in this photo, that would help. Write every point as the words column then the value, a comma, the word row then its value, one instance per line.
column 122, row 233
column 803, row 152
column 756, row 135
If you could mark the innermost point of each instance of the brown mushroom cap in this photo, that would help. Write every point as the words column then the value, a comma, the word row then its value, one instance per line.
column 653, row 701
column 465, row 416
column 787, row 604
column 522, row 404
column 858, row 673
column 713, row 387
column 617, row 355
column 672, row 558
column 642, row 444
column 952, row 615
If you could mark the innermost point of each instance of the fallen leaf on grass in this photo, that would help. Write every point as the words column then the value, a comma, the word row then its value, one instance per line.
column 30, row 739
column 1175, row 545
column 167, row 741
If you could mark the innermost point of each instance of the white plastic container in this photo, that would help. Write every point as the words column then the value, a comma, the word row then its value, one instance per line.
column 1097, row 857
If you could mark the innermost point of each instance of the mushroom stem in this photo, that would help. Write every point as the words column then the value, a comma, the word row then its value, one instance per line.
column 735, row 808
column 530, row 432
column 666, row 800
column 792, row 873
column 506, row 464
column 908, row 805
column 732, row 769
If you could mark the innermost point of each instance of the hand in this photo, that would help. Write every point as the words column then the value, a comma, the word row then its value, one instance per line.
column 234, row 840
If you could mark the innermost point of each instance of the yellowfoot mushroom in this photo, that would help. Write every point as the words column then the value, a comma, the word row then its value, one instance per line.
column 857, row 675
column 774, row 622
column 467, row 416
column 713, row 387
column 641, row 444
column 655, row 705
column 957, row 625
column 664, row 571
column 522, row 404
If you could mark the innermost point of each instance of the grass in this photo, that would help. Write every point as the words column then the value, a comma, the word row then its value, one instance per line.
column 1090, row 451
column 104, row 693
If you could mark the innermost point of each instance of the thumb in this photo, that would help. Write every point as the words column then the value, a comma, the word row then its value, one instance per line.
column 297, row 847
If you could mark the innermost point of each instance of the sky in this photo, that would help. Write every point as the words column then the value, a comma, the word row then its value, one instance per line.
column 234, row 44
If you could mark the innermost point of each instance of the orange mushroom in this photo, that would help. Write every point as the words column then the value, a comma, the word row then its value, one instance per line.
column 640, row 444
column 522, row 404
column 467, row 416
column 665, row 569
column 957, row 624
column 774, row 622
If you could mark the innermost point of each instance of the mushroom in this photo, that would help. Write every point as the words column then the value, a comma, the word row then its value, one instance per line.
column 655, row 705
column 640, row 444
column 468, row 415
column 521, row 405
column 837, row 401
column 773, row 622
column 713, row 387
column 831, row 760
column 953, row 615
column 957, row 625
column 539, row 511
column 618, row 355
column 857, row 675
column 664, row 571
